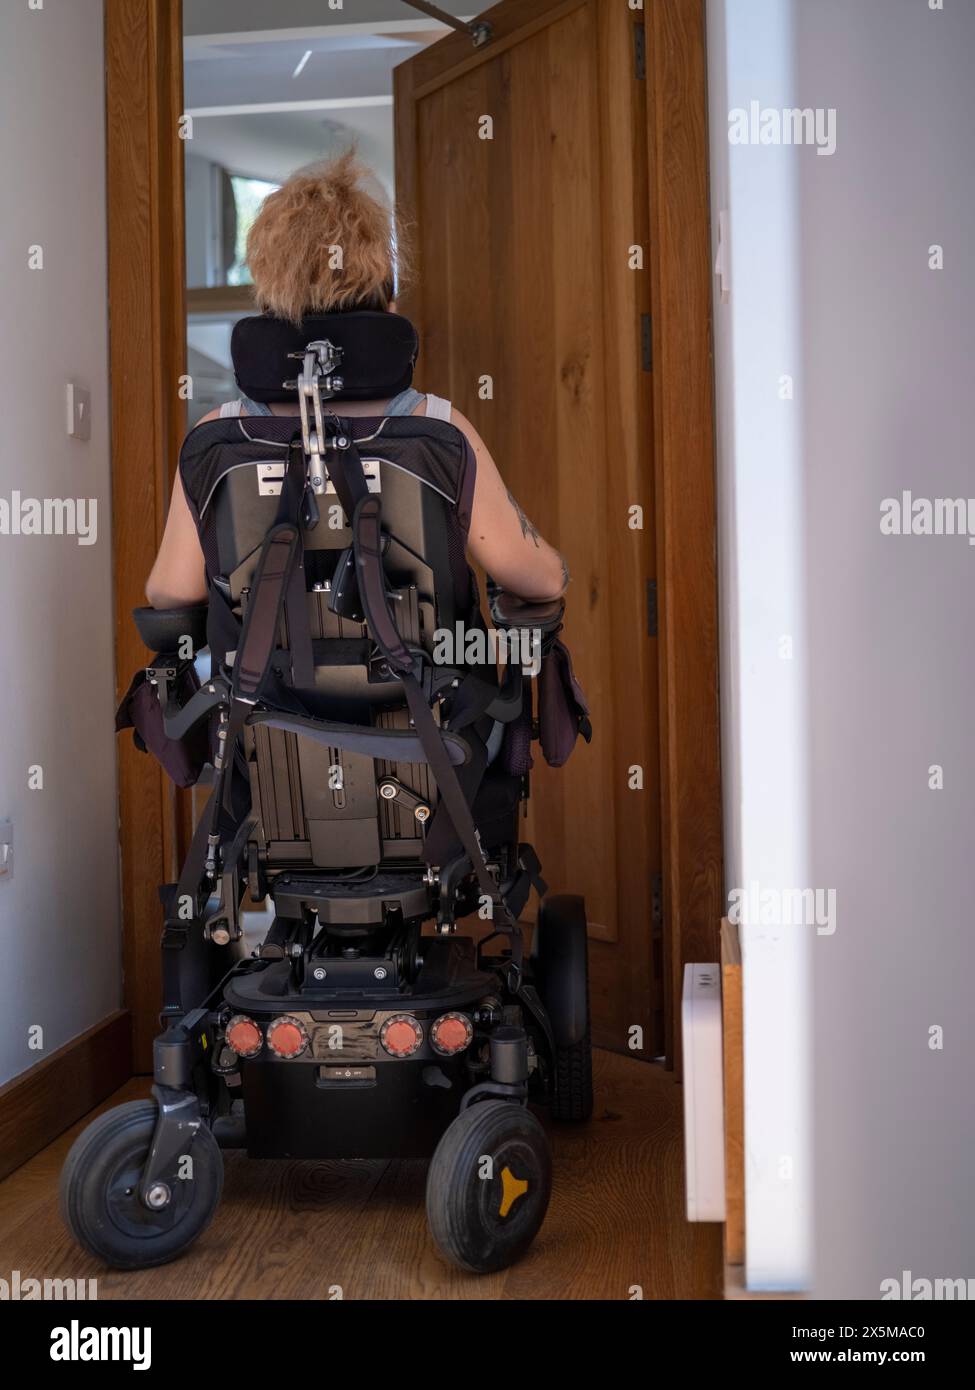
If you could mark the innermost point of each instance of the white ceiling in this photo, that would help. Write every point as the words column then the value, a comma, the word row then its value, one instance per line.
column 340, row 67
column 273, row 146
column 243, row 16
column 346, row 80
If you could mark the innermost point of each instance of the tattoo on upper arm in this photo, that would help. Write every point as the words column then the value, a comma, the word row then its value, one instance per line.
column 527, row 529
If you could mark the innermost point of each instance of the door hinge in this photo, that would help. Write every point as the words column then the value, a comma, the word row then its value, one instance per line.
column 651, row 608
column 657, row 903
column 640, row 52
column 646, row 341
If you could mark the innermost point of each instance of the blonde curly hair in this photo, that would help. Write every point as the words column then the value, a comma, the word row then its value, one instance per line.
column 323, row 242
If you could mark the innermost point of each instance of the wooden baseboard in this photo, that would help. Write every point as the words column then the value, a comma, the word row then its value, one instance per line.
column 734, row 1096
column 38, row 1106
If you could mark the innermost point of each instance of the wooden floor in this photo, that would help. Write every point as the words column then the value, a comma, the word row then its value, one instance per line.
column 292, row 1230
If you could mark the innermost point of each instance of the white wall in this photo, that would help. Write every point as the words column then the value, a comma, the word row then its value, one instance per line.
column 888, row 386
column 827, row 756
column 272, row 146
column 762, row 604
column 202, row 233
column 59, row 914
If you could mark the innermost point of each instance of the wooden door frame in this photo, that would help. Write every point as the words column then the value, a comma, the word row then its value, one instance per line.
column 147, row 347
column 684, row 486
column 147, row 336
column 679, row 264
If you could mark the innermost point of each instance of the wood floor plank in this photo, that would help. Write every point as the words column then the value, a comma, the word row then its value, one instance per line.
column 305, row 1230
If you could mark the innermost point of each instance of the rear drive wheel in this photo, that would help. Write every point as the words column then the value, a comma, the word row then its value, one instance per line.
column 100, row 1199
column 560, row 967
column 488, row 1186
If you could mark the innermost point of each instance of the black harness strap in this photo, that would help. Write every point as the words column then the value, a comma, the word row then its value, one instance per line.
column 395, row 745
column 272, row 585
column 176, row 926
column 278, row 588
column 367, row 542
column 348, row 477
column 274, row 590
column 296, row 598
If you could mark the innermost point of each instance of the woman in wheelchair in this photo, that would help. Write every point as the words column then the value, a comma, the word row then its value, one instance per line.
column 289, row 250
column 367, row 773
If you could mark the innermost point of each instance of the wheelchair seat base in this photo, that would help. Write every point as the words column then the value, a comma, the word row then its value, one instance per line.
column 448, row 978
column 352, row 902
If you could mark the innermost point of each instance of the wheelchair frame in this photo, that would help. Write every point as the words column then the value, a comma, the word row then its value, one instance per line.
column 517, row 1016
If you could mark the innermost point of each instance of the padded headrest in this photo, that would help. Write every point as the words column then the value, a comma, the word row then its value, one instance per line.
column 379, row 351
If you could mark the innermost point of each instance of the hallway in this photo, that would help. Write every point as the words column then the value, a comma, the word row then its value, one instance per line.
column 298, row 1230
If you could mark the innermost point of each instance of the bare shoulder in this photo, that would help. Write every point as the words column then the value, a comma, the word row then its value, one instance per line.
column 460, row 420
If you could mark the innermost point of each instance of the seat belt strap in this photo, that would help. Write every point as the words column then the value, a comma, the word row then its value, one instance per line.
column 296, row 598
column 450, row 789
column 367, row 544
column 364, row 511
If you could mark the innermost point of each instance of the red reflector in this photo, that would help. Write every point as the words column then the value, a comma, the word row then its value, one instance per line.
column 286, row 1037
column 451, row 1033
column 244, row 1036
column 401, row 1035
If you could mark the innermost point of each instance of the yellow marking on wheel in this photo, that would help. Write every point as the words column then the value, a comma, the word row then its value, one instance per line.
column 511, row 1189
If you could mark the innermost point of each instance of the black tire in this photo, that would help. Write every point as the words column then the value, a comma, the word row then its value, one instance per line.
column 573, row 1098
column 99, row 1191
column 484, row 1224
column 560, row 965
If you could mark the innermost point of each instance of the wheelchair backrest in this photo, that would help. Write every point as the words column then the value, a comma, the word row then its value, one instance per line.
column 316, row 806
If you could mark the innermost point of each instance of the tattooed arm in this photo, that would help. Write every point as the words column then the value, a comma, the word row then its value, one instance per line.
column 503, row 541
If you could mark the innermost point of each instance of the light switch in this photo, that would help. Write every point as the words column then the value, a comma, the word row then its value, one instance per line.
column 6, row 850
column 79, row 412
column 722, row 264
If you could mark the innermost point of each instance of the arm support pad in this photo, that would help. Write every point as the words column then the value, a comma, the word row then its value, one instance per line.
column 163, row 629
column 508, row 611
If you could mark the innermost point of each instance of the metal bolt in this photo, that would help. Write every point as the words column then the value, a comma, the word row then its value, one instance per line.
column 157, row 1196
column 380, row 972
column 319, row 973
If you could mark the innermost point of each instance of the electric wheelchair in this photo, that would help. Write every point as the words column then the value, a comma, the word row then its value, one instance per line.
column 369, row 765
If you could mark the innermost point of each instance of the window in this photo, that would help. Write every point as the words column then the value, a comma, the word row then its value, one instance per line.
column 245, row 198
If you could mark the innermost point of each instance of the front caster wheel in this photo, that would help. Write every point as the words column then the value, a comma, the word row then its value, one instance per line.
column 488, row 1186
column 100, row 1200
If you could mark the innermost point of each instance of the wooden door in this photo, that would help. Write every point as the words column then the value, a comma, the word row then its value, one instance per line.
column 522, row 176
